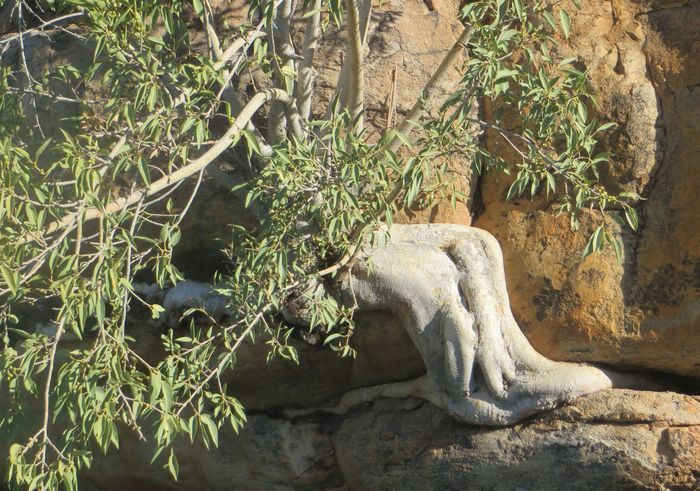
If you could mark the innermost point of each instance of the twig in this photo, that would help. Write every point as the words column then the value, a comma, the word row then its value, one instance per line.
column 47, row 389
column 41, row 27
column 392, row 102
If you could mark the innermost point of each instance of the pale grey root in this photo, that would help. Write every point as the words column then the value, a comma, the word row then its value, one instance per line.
column 447, row 286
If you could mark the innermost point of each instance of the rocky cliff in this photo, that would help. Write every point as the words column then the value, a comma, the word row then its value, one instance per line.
column 644, row 313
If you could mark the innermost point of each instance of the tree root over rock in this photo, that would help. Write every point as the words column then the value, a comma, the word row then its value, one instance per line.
column 446, row 285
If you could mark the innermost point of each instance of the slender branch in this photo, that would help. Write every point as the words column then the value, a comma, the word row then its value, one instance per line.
column 194, row 166
column 433, row 85
column 41, row 27
column 355, row 81
column 307, row 73
column 47, row 389
column 125, row 297
column 392, row 102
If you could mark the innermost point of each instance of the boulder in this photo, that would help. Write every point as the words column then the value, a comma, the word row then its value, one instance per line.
column 616, row 439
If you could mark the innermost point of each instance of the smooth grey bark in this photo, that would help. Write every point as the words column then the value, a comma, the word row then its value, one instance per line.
column 307, row 74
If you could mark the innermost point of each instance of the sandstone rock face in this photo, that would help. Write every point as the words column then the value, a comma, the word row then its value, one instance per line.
column 644, row 313
column 612, row 440
column 406, row 43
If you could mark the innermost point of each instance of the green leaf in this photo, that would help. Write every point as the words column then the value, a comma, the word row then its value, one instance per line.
column 43, row 147
column 199, row 132
column 251, row 142
column 11, row 278
column 15, row 451
column 189, row 123
column 156, row 310
column 518, row 4
column 331, row 337
column 211, row 428
column 565, row 22
column 100, row 312
column 198, row 7
column 550, row 19
column 595, row 242
column 502, row 6
column 617, row 247
column 630, row 195
column 144, row 171
column 550, row 183
column 606, row 126
column 504, row 74
column 400, row 135
column 172, row 465
column 632, row 218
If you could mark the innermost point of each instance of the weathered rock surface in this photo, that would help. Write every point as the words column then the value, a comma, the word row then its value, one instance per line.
column 615, row 439
column 642, row 57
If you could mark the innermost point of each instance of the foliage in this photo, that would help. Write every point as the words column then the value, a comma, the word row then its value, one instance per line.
column 87, row 209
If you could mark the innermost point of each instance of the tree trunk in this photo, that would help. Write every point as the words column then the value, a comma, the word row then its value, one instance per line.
column 447, row 286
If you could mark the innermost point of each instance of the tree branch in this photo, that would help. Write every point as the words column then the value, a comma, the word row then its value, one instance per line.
column 281, row 46
column 354, row 84
column 194, row 166
column 41, row 27
column 307, row 73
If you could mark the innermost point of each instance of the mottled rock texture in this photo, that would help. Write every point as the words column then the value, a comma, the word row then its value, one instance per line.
column 645, row 313
column 617, row 439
